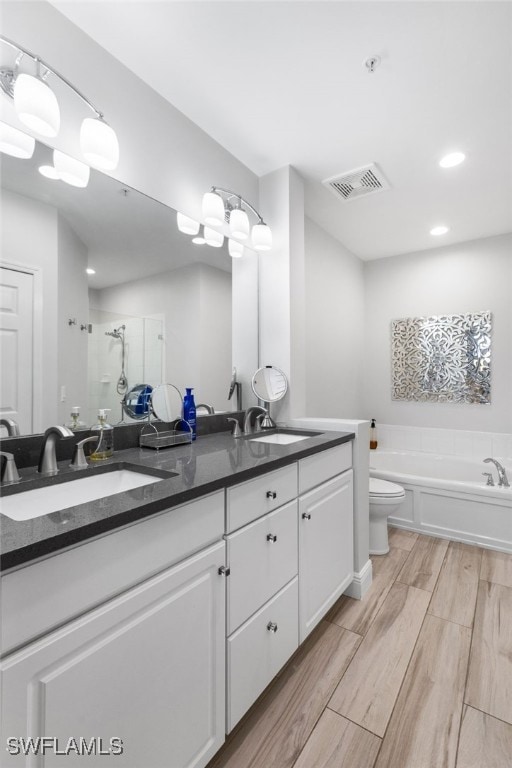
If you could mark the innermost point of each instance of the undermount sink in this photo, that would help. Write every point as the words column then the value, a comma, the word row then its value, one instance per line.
column 284, row 438
column 26, row 505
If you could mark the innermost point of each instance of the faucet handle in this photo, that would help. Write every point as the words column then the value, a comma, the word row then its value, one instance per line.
column 9, row 470
column 489, row 477
column 237, row 432
column 79, row 461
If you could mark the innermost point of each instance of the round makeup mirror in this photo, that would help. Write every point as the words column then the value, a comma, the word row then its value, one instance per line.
column 269, row 384
column 137, row 401
column 167, row 402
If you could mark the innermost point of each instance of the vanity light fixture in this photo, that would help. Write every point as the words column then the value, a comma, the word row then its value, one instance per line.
column 198, row 240
column 16, row 143
column 222, row 206
column 236, row 249
column 440, row 230
column 453, row 159
column 37, row 107
column 213, row 238
column 49, row 172
column 70, row 170
column 187, row 225
column 90, row 271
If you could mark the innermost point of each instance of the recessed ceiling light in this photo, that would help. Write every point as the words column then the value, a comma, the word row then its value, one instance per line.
column 454, row 158
column 441, row 230
column 90, row 271
column 48, row 171
column 198, row 240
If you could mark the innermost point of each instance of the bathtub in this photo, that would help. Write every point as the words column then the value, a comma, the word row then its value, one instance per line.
column 447, row 496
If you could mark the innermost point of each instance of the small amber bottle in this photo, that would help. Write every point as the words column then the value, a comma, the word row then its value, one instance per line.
column 373, row 435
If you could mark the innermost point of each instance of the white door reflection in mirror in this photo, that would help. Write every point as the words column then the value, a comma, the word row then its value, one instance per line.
column 16, row 341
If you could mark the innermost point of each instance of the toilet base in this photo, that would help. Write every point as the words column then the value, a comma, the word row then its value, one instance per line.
column 379, row 544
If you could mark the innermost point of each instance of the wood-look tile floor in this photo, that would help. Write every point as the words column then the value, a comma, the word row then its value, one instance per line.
column 418, row 674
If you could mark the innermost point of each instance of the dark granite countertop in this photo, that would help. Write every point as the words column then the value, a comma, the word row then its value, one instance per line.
column 210, row 463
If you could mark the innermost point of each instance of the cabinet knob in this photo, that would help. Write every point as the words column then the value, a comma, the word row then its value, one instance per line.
column 223, row 571
column 306, row 516
column 272, row 627
column 271, row 537
column 271, row 495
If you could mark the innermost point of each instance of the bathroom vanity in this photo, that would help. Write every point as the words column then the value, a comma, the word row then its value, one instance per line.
column 159, row 615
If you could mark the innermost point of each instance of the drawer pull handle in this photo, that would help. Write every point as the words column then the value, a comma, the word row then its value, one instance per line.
column 272, row 627
column 306, row 516
column 271, row 537
column 271, row 495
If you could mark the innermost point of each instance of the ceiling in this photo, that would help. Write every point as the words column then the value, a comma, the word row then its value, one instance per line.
column 280, row 83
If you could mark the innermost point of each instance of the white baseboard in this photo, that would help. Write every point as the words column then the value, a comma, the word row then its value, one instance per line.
column 361, row 583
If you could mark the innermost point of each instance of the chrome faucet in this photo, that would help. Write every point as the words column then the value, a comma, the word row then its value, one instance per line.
column 502, row 475
column 9, row 473
column 11, row 426
column 208, row 408
column 48, row 457
column 249, row 412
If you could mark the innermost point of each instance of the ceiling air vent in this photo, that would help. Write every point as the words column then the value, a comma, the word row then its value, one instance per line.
column 357, row 183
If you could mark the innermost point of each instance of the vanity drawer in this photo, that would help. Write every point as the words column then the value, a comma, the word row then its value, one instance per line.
column 262, row 558
column 248, row 501
column 256, row 653
column 46, row 594
column 320, row 467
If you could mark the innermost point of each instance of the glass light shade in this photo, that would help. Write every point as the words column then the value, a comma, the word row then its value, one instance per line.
column 187, row 225
column 198, row 240
column 453, row 159
column 213, row 208
column 71, row 171
column 239, row 224
column 99, row 144
column 440, row 230
column 49, row 172
column 261, row 237
column 36, row 105
column 213, row 238
column 236, row 250
column 90, row 271
column 16, row 143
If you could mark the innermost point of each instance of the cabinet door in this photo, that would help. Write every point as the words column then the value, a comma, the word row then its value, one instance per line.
column 325, row 549
column 257, row 651
column 147, row 668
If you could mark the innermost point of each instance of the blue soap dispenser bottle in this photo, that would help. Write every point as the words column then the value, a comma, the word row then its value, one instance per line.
column 189, row 410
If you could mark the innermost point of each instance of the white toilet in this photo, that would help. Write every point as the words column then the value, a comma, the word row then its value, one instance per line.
column 385, row 498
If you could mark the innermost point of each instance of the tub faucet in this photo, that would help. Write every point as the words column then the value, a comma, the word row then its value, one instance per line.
column 48, row 457
column 502, row 475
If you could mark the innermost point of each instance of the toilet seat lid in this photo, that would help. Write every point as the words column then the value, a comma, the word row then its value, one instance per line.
column 385, row 488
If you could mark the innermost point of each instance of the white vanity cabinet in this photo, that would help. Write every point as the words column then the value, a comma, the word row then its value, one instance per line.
column 326, row 538
column 262, row 587
column 146, row 667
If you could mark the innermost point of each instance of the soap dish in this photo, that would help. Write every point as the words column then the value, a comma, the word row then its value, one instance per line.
column 156, row 440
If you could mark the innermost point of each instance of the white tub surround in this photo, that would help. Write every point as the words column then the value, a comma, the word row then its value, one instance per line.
column 446, row 496
column 471, row 444
column 362, row 563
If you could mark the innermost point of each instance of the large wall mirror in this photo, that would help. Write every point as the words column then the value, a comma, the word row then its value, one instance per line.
column 158, row 308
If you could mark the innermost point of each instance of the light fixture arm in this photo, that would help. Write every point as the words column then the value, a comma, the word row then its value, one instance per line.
column 229, row 194
column 39, row 62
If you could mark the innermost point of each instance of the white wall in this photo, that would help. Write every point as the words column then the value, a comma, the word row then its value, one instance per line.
column 73, row 303
column 281, row 287
column 468, row 277
column 196, row 304
column 334, row 331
